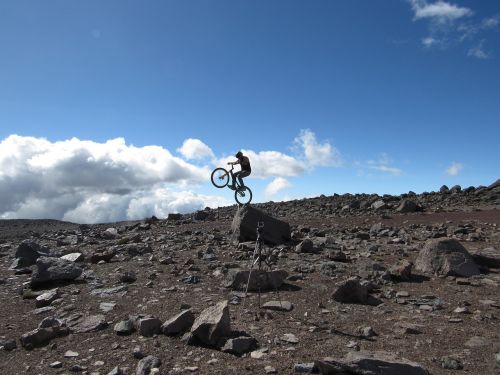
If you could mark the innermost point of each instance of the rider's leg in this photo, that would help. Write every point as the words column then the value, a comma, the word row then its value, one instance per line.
column 240, row 176
column 235, row 175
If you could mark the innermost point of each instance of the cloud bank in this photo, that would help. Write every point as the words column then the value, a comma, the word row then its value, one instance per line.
column 86, row 181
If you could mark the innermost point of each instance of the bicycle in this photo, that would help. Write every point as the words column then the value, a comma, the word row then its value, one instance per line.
column 220, row 179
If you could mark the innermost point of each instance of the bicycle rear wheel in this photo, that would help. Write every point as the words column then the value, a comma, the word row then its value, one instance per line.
column 243, row 195
column 220, row 177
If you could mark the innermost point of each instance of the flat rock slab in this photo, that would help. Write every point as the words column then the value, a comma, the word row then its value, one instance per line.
column 92, row 323
column 278, row 306
column 106, row 292
column 370, row 363
column 73, row 257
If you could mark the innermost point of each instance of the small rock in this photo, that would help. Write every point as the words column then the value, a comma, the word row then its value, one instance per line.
column 71, row 354
column 146, row 364
column 289, row 337
column 278, row 306
column 56, row 364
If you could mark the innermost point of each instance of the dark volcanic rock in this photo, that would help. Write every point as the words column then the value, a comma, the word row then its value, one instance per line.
column 244, row 226
column 401, row 270
column 351, row 291
column 90, row 323
column 239, row 345
column 237, row 279
column 408, row 205
column 28, row 252
column 445, row 257
column 48, row 329
column 179, row 323
column 489, row 257
column 146, row 364
column 213, row 325
column 370, row 363
column 54, row 269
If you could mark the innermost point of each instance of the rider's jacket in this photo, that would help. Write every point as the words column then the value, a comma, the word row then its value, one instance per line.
column 245, row 164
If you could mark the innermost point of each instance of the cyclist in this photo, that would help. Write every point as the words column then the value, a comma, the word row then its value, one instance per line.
column 246, row 169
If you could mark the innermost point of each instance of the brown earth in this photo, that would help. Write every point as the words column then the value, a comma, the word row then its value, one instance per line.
column 323, row 327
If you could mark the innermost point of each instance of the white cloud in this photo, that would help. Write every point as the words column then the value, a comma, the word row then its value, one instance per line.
column 194, row 149
column 491, row 23
column 310, row 154
column 440, row 11
column 454, row 169
column 429, row 41
column 383, row 164
column 86, row 181
column 478, row 51
column 275, row 186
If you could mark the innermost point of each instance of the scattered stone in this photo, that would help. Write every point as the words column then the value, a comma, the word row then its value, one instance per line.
column 477, row 342
column 92, row 323
column 290, row 337
column 306, row 246
column 107, row 306
column 73, row 257
column 305, row 368
column 351, row 291
column 124, row 327
column 148, row 326
column 451, row 363
column 401, row 271
column 48, row 329
column 128, row 277
column 239, row 345
column 47, row 298
column 260, row 280
column 56, row 364
column 8, row 345
column 147, row 364
column 179, row 323
column 407, row 206
column 278, row 306
column 71, row 354
column 106, row 292
column 363, row 362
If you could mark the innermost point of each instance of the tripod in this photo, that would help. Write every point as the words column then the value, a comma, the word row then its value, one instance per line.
column 259, row 258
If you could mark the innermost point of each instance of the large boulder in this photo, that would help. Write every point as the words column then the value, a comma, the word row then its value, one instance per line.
column 370, row 363
column 54, row 269
column 213, row 326
column 262, row 280
column 246, row 219
column 28, row 252
column 446, row 257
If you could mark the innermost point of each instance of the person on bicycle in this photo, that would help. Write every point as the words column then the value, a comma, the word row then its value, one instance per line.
column 245, row 171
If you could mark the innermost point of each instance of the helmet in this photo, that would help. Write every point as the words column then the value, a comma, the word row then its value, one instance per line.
column 239, row 154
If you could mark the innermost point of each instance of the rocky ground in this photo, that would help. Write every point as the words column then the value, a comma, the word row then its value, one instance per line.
column 350, row 283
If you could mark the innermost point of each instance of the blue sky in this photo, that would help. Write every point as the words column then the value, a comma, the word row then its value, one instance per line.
column 396, row 95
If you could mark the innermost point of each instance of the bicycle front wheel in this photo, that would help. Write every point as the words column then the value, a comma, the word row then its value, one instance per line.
column 220, row 177
column 243, row 195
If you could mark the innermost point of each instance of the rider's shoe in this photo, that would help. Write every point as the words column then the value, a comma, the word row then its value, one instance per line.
column 232, row 187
